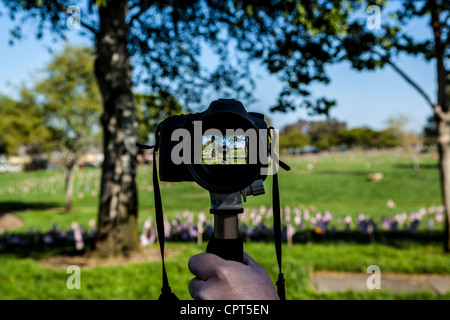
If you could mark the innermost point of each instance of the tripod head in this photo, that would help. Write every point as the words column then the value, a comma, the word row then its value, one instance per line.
column 225, row 241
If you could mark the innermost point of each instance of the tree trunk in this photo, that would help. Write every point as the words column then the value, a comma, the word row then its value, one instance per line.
column 68, row 177
column 444, row 165
column 416, row 164
column 443, row 117
column 117, row 225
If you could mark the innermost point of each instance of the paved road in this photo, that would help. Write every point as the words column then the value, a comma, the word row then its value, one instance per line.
column 324, row 281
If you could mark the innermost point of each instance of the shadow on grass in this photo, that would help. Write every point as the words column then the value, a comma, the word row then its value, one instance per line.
column 8, row 206
column 398, row 239
column 342, row 172
column 422, row 166
column 39, row 253
column 38, row 245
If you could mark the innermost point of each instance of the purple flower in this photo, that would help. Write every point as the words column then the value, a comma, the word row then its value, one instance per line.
column 62, row 234
column 394, row 225
column 415, row 225
column 386, row 223
column 78, row 237
column 401, row 218
column 327, row 217
column 48, row 239
column 167, row 228
column 361, row 218
column 151, row 235
column 262, row 210
column 193, row 232
column 70, row 236
column 306, row 214
column 14, row 240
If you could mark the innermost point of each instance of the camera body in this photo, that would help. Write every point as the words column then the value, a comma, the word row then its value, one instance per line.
column 223, row 148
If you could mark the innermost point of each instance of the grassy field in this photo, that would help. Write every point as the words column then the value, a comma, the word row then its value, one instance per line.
column 26, row 278
column 334, row 182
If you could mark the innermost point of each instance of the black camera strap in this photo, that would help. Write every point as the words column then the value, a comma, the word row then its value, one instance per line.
column 276, row 207
column 166, row 291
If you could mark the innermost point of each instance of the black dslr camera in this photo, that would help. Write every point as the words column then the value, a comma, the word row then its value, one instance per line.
column 224, row 148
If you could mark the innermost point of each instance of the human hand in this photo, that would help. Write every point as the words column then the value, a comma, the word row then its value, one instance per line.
column 219, row 279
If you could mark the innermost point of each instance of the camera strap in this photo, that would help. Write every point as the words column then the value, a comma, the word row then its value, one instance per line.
column 277, row 216
column 166, row 291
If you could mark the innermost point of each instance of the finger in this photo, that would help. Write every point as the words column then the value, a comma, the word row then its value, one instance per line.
column 203, row 265
column 195, row 288
column 249, row 260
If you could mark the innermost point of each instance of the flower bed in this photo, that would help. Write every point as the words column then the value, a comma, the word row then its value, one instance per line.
column 300, row 224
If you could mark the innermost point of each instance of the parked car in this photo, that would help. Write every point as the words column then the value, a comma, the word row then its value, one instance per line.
column 8, row 167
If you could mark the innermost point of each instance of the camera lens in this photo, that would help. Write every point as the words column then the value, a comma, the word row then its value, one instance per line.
column 225, row 150
column 229, row 153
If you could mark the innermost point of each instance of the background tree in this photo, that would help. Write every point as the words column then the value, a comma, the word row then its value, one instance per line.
column 366, row 138
column 356, row 137
column 69, row 99
column 293, row 139
column 323, row 133
column 410, row 141
column 22, row 124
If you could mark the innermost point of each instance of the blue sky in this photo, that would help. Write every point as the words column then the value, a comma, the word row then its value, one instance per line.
column 363, row 98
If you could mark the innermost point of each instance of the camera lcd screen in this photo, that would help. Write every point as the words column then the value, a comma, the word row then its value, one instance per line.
column 225, row 150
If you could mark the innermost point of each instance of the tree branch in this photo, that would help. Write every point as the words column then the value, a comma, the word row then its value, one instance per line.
column 407, row 79
column 412, row 83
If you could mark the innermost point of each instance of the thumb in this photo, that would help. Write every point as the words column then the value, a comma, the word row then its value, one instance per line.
column 249, row 261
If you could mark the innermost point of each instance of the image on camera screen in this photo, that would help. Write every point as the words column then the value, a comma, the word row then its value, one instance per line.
column 224, row 150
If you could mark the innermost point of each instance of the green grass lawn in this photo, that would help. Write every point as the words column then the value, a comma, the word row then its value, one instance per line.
column 25, row 278
column 333, row 182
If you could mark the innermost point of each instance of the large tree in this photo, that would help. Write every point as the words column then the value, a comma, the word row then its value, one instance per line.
column 368, row 49
column 68, row 97
column 163, row 40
